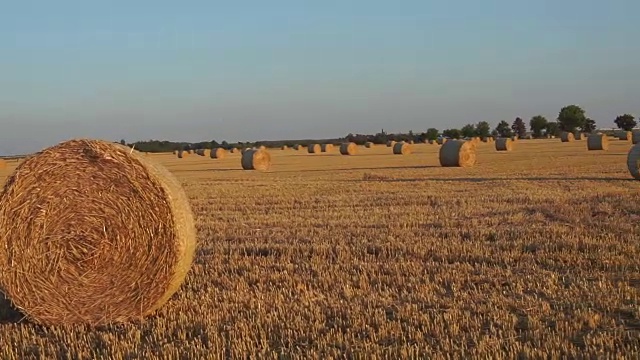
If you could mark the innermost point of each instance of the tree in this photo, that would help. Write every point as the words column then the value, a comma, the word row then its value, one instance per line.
column 503, row 129
column 625, row 122
column 483, row 129
column 432, row 134
column 570, row 118
column 589, row 126
column 468, row 130
column 122, row 142
column 452, row 133
column 537, row 124
column 553, row 128
column 519, row 128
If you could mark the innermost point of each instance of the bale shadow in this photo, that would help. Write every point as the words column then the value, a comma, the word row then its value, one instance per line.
column 8, row 314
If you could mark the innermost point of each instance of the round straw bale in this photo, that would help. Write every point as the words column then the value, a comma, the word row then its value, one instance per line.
column 633, row 161
column 326, row 147
column 391, row 143
column 284, row 147
column 635, row 137
column 441, row 141
column 199, row 152
column 514, row 138
column 412, row 142
column 348, row 148
column 313, row 148
column 402, row 148
column 233, row 150
column 297, row 147
column 578, row 135
column 566, row 136
column 218, row 153
column 262, row 147
column 368, row 144
column 256, row 159
column 431, row 142
column 598, row 142
column 93, row 234
column 626, row 136
column 504, row 144
column 182, row 154
column 458, row 153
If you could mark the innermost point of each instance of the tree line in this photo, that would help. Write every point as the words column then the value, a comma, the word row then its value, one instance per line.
column 571, row 118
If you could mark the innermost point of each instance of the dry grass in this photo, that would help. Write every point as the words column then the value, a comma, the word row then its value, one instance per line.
column 521, row 255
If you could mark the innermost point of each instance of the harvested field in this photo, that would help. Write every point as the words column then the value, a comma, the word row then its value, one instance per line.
column 532, row 253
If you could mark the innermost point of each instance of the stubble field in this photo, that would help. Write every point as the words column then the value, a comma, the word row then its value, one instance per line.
column 532, row 253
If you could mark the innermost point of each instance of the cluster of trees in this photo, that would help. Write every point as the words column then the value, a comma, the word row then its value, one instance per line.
column 571, row 118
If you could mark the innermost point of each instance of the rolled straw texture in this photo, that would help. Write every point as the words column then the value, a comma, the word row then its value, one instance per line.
column 458, row 153
column 368, row 145
column 182, row 154
column 578, row 136
column 402, row 148
column 626, row 136
column 218, row 153
column 391, row 143
column 93, row 234
column 566, row 136
column 633, row 161
column 313, row 148
column 504, row 144
column 597, row 142
column 348, row 148
column 256, row 159
column 326, row 147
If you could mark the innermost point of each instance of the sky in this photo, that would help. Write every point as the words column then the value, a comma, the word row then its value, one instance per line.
column 267, row 70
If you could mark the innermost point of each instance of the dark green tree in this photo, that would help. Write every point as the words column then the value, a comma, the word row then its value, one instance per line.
column 122, row 142
column 483, row 129
column 452, row 133
column 503, row 129
column 625, row 122
column 432, row 134
column 589, row 126
column 519, row 128
column 553, row 128
column 468, row 130
column 538, row 124
column 571, row 118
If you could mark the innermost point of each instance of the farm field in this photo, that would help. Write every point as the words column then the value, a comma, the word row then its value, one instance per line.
column 531, row 253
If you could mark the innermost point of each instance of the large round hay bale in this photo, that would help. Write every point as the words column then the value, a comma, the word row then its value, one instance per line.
column 218, row 153
column 633, row 161
column 626, row 136
column 326, row 147
column 256, row 159
column 458, row 153
column 402, row 148
column 348, row 148
column 93, row 233
column 598, row 142
column 244, row 150
column 313, row 148
column 566, row 136
column 504, row 144
column 368, row 144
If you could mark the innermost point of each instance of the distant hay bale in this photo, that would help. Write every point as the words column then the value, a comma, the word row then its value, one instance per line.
column 391, row 143
column 633, row 161
column 488, row 139
column 504, row 144
column 598, row 142
column 475, row 139
column 114, row 244
column 262, row 147
column 284, row 147
column 402, row 148
column 182, row 154
column 458, row 153
column 313, row 149
column 626, row 136
column 441, row 141
column 199, row 152
column 368, row 144
column 514, row 138
column 431, row 141
column 635, row 137
column 412, row 142
column 326, row 147
column 233, row 150
column 298, row 147
column 256, row 159
column 566, row 136
column 348, row 148
column 578, row 136
column 218, row 153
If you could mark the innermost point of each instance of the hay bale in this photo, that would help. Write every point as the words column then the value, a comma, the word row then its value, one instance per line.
column 441, row 141
column 626, row 136
column 369, row 144
column 391, row 143
column 458, row 153
column 244, row 150
column 182, row 154
column 284, row 147
column 218, row 153
column 514, row 138
column 233, row 150
column 566, row 136
column 326, row 147
column 578, row 136
column 402, row 148
column 598, row 142
column 633, row 161
column 114, row 244
column 504, row 144
column 256, row 159
column 200, row 152
column 298, row 147
column 348, row 148
column 313, row 149
column 635, row 137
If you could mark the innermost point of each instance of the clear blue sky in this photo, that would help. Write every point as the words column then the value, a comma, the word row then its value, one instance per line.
column 250, row 70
